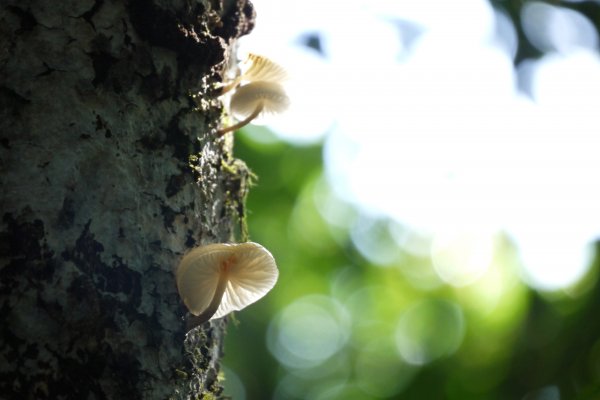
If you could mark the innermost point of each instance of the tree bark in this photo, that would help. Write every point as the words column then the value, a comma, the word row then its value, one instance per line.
column 110, row 171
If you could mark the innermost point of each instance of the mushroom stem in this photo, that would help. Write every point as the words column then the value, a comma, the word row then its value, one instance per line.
column 231, row 85
column 244, row 122
column 196, row 320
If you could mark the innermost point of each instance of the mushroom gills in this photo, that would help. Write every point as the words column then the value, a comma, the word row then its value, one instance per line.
column 260, row 68
column 216, row 279
column 256, row 99
column 257, row 68
column 215, row 302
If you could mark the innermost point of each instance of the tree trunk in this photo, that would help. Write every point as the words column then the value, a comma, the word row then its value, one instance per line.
column 110, row 171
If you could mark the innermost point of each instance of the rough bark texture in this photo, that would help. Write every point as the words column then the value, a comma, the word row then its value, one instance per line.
column 100, row 196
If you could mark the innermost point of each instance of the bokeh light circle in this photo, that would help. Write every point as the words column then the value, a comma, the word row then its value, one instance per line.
column 308, row 331
column 429, row 330
column 461, row 258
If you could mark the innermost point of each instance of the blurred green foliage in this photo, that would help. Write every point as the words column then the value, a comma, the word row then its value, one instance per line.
column 496, row 339
column 338, row 326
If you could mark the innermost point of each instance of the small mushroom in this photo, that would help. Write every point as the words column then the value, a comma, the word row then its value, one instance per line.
column 257, row 68
column 216, row 279
column 260, row 68
column 253, row 100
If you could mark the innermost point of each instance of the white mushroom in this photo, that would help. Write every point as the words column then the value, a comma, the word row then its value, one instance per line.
column 256, row 99
column 260, row 68
column 257, row 68
column 216, row 279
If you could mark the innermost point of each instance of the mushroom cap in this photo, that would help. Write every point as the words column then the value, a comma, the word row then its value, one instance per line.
column 251, row 273
column 248, row 97
column 260, row 68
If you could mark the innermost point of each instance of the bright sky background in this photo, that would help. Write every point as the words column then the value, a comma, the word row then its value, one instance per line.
column 425, row 121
